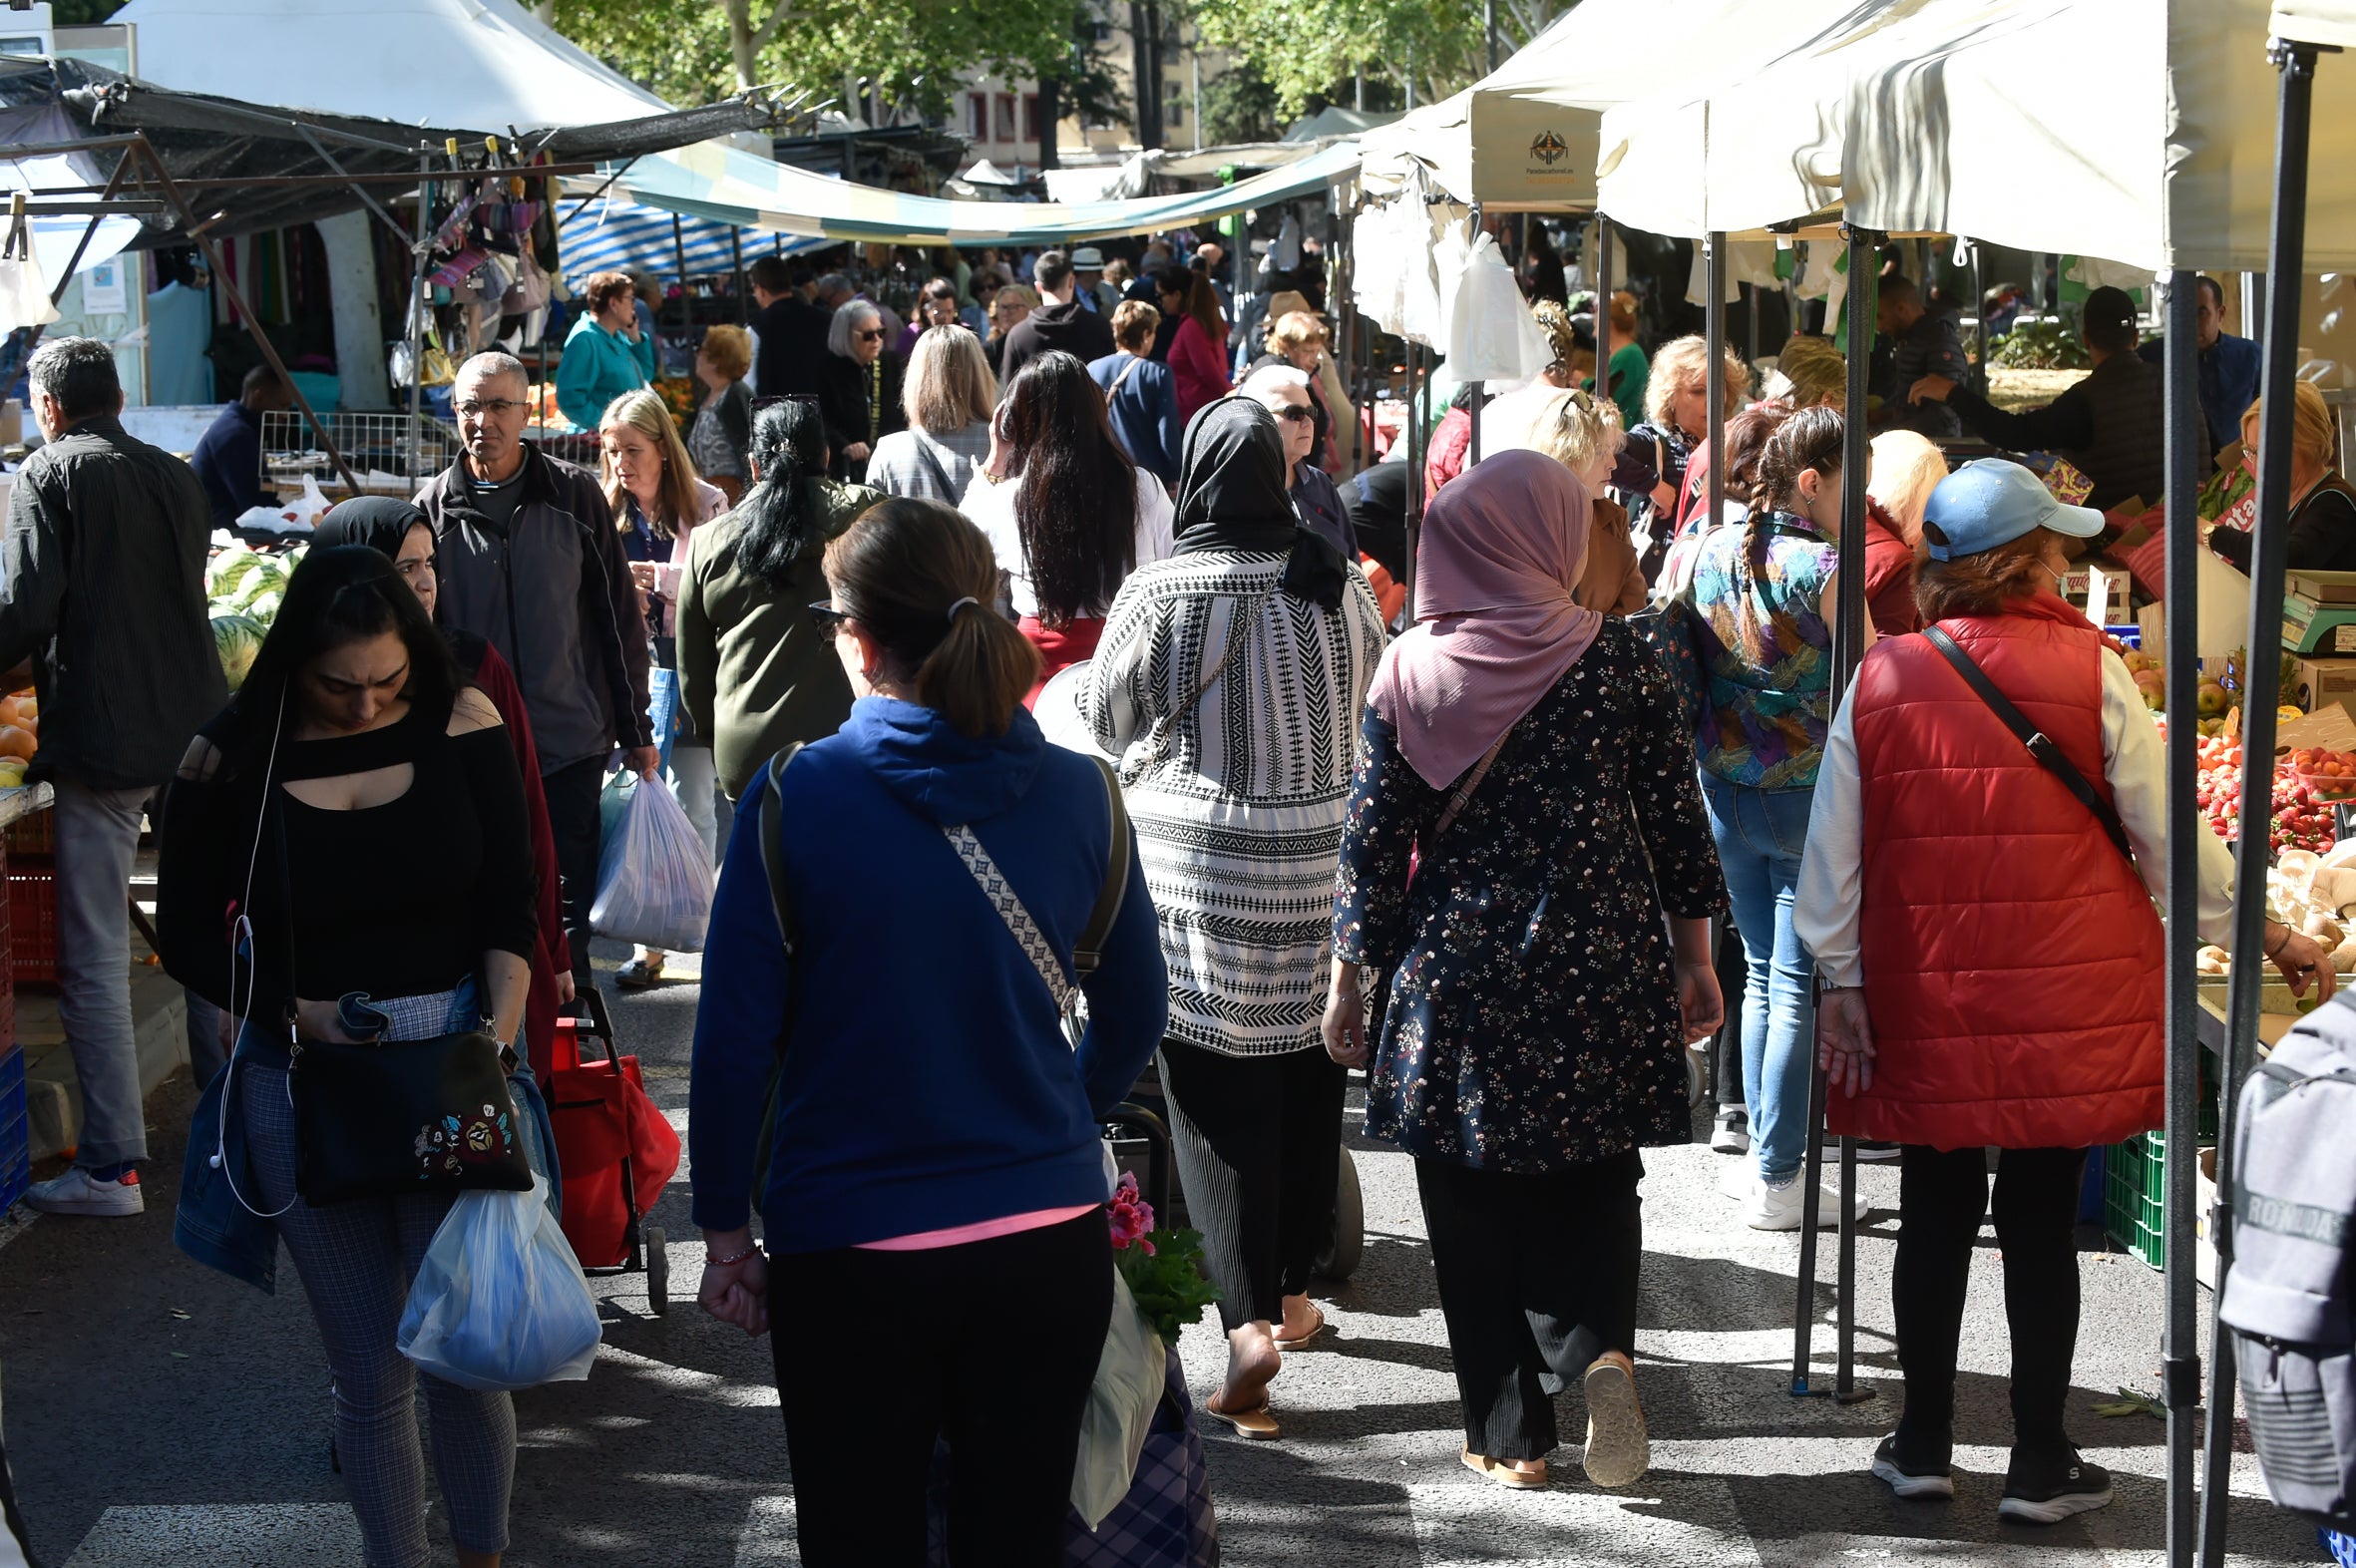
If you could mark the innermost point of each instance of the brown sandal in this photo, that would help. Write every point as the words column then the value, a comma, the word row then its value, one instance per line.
column 1315, row 1328
column 1255, row 1422
column 1504, row 1474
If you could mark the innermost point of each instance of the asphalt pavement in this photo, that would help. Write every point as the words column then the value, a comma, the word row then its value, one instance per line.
column 162, row 1416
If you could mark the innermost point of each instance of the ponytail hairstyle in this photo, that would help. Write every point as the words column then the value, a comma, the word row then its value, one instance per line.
column 780, row 516
column 1810, row 438
column 922, row 580
column 1075, row 506
column 1745, row 439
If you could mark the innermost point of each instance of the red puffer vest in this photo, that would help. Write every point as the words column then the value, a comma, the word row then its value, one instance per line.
column 2011, row 956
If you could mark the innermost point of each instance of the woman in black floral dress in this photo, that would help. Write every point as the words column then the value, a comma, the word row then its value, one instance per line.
column 1524, row 811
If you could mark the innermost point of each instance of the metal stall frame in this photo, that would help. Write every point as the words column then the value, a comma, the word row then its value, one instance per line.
column 2295, row 63
column 1848, row 637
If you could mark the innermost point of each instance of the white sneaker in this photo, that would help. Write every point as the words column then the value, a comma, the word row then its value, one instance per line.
column 1737, row 1180
column 1730, row 1134
column 78, row 1192
column 1778, row 1208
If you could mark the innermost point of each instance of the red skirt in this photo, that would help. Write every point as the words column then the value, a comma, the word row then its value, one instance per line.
column 1060, row 647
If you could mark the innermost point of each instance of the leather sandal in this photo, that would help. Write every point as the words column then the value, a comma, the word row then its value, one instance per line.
column 1504, row 1474
column 1315, row 1328
column 1255, row 1422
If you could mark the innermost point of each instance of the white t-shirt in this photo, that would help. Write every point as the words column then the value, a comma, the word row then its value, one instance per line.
column 991, row 506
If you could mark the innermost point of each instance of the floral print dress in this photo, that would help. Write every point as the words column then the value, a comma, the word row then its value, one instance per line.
column 1530, row 1017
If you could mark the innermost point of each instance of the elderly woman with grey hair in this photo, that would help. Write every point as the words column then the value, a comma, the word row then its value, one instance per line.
column 858, row 388
column 1285, row 392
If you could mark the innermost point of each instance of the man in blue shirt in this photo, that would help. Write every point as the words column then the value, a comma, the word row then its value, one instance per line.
column 2228, row 366
column 227, row 458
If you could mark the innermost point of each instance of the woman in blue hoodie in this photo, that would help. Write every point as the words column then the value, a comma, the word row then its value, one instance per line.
column 937, row 1168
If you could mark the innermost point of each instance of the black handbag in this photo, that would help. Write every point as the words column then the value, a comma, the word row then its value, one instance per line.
column 380, row 1119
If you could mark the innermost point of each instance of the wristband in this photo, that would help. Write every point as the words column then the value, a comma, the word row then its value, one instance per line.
column 2276, row 952
column 711, row 1261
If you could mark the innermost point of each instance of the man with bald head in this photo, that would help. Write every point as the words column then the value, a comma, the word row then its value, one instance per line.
column 530, row 562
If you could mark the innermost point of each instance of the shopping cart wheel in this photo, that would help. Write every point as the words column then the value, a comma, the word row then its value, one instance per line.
column 1338, row 1258
column 658, row 1272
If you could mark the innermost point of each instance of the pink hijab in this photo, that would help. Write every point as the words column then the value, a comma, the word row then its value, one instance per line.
column 1496, row 626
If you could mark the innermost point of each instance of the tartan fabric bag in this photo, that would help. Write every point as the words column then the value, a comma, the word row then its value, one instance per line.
column 1167, row 1521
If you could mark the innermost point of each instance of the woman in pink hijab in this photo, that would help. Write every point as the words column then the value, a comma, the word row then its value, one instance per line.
column 1524, row 813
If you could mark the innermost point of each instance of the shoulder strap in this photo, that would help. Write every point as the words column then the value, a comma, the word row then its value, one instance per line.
column 1109, row 897
column 1127, row 371
column 1480, row 770
column 773, row 849
column 2040, row 745
column 1166, row 727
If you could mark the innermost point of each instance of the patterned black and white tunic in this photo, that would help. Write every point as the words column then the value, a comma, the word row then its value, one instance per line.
column 1239, row 815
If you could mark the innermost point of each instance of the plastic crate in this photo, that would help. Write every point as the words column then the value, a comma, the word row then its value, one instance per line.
column 2135, row 1186
column 16, row 1140
column 33, row 834
column 32, row 919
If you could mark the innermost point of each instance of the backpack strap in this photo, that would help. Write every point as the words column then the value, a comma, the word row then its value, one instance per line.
column 2041, row 746
column 1115, row 890
column 773, row 849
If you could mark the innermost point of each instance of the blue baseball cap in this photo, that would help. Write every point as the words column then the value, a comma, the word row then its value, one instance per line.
column 1989, row 502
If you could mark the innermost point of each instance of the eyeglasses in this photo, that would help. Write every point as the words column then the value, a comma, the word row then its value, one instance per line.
column 494, row 408
column 826, row 618
column 869, row 335
column 1296, row 413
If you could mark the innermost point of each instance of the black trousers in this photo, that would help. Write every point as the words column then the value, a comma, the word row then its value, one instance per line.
column 1733, row 972
column 573, row 818
column 1538, row 1278
column 1259, row 1145
column 1942, row 1197
column 992, row 1344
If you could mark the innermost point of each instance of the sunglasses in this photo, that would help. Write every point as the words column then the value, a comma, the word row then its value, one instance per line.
column 826, row 618
column 871, row 335
column 1294, row 412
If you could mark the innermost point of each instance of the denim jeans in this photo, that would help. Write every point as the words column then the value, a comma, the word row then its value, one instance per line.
column 97, row 840
column 1760, row 833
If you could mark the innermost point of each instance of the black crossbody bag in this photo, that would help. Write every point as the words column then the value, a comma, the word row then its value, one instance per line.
column 2041, row 746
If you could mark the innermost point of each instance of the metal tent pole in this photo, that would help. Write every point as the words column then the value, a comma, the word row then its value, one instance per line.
column 419, row 250
column 1600, row 236
column 736, row 259
column 1848, row 642
column 2286, row 245
column 1414, row 436
column 2181, row 1392
column 1473, row 402
column 1713, row 333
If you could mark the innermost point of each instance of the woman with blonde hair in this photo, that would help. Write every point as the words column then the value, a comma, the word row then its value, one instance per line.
column 2322, row 505
column 1658, row 468
column 1907, row 466
column 723, row 425
column 657, row 499
column 948, row 397
column 1582, row 432
column 1298, row 338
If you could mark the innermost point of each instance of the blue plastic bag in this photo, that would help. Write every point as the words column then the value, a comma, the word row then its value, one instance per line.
column 654, row 879
column 500, row 1301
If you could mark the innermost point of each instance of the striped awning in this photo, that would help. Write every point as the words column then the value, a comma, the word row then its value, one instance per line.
column 612, row 235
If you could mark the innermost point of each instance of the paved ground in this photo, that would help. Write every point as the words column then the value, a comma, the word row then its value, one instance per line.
column 159, row 1415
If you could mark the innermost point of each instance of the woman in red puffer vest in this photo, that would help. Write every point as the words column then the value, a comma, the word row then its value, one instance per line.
column 1991, row 961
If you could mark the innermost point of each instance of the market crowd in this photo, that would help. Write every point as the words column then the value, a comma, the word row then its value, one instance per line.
column 1497, row 855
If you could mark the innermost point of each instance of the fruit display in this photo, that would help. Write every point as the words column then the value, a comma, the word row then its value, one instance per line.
column 244, row 587
column 20, row 735
column 2328, row 775
column 2303, row 818
column 2213, row 694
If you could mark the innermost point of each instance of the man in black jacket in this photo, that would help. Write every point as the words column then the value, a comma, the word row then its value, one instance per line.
column 2112, row 426
column 791, row 332
column 530, row 560
column 1061, row 321
column 104, row 594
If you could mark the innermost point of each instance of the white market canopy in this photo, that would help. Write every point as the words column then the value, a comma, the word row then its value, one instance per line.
column 1524, row 138
column 715, row 181
column 2330, row 22
column 2138, row 131
column 483, row 63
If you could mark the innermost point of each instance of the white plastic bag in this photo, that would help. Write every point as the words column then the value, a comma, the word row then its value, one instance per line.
column 654, row 879
column 500, row 1301
column 1121, row 1402
column 1491, row 334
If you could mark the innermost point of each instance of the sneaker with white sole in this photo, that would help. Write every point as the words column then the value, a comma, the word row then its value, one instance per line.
column 1772, row 1207
column 2048, row 1490
column 1910, row 1477
column 1618, row 1451
column 79, row 1192
column 1731, row 1133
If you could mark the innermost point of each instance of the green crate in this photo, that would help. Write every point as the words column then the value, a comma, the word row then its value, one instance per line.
column 2135, row 1184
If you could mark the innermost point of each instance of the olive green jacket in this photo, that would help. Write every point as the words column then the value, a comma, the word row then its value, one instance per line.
column 755, row 673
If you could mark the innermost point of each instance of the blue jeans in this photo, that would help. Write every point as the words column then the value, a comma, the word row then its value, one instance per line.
column 1760, row 833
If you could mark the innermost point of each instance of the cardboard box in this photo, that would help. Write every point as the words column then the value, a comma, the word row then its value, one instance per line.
column 2323, row 680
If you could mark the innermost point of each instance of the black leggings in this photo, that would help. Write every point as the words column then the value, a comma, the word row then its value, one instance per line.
column 573, row 822
column 992, row 1344
column 1538, row 1278
column 1258, row 1144
column 1942, row 1198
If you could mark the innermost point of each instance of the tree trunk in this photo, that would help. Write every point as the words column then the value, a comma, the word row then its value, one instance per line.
column 740, row 43
column 1051, row 91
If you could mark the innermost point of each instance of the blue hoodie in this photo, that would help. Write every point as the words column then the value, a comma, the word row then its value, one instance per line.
column 926, row 1082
